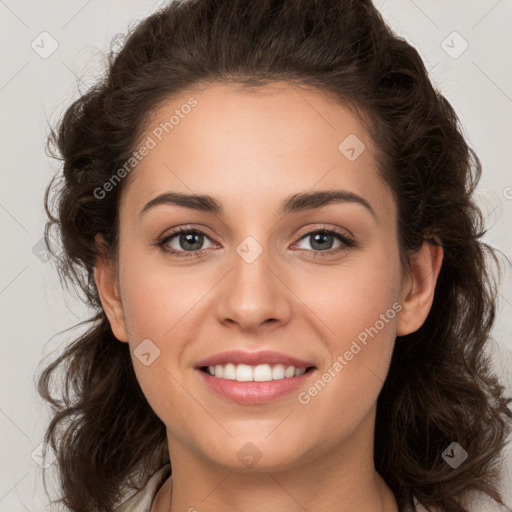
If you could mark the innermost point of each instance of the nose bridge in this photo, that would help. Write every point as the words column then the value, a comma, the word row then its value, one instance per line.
column 252, row 293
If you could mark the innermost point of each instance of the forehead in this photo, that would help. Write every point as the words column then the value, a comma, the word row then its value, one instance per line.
column 263, row 143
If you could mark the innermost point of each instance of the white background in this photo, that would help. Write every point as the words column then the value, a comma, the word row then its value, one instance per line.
column 36, row 90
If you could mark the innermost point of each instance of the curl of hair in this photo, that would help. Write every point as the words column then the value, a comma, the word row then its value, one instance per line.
column 440, row 386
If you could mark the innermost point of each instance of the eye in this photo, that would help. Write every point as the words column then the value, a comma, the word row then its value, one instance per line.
column 189, row 242
column 184, row 242
column 321, row 242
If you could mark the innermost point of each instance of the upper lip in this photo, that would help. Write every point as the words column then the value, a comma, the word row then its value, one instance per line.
column 253, row 359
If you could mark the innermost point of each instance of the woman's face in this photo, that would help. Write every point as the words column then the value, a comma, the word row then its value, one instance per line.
column 264, row 279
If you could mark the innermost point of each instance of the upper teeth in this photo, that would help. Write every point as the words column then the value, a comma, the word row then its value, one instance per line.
column 259, row 373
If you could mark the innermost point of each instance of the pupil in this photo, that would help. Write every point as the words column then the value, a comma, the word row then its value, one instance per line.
column 318, row 238
column 189, row 238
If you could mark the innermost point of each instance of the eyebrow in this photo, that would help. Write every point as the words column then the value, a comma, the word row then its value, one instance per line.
column 300, row 202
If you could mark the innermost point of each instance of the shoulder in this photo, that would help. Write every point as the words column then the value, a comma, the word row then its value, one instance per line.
column 476, row 502
column 141, row 501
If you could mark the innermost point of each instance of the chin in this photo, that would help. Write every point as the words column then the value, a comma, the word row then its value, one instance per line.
column 258, row 454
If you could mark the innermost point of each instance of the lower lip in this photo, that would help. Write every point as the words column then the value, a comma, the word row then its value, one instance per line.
column 254, row 392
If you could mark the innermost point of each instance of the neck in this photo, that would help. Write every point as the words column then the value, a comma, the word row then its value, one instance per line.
column 342, row 480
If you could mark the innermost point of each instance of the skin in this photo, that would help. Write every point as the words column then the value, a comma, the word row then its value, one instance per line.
column 251, row 150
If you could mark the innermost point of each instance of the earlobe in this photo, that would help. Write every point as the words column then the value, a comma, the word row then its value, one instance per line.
column 418, row 291
column 106, row 282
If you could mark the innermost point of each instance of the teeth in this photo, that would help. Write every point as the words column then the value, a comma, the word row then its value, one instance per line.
column 229, row 371
column 290, row 371
column 259, row 373
column 244, row 373
column 299, row 371
column 278, row 371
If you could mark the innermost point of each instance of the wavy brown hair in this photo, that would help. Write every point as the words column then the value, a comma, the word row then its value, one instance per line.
column 440, row 386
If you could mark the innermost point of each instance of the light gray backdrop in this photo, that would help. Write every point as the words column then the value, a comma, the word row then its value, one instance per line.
column 45, row 46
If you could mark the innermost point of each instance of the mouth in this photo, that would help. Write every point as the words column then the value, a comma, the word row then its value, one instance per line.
column 257, row 373
column 254, row 377
column 249, row 390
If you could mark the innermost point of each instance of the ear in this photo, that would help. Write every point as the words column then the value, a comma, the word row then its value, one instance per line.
column 105, row 277
column 418, row 289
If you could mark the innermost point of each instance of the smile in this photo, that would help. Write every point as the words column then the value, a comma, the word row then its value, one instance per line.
column 258, row 373
column 249, row 390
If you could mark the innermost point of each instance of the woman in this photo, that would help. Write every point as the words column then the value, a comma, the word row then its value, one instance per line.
column 319, row 345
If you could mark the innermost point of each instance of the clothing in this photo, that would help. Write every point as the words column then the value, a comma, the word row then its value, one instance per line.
column 142, row 500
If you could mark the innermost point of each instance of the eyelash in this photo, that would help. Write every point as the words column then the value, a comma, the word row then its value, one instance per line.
column 347, row 242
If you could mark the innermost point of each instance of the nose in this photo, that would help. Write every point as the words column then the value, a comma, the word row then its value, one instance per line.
column 254, row 294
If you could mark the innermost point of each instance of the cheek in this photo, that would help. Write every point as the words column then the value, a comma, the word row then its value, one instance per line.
column 156, row 298
column 348, row 308
column 352, row 296
column 158, row 304
column 358, row 312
